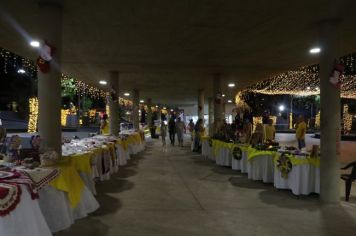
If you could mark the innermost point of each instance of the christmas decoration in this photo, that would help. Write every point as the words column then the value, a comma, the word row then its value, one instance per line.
column 284, row 165
column 336, row 75
column 46, row 55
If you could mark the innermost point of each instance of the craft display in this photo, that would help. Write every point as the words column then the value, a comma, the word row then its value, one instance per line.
column 284, row 165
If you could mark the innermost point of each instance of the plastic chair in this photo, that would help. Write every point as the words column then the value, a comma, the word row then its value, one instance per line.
column 349, row 178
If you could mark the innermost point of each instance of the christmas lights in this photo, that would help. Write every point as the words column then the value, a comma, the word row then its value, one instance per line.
column 347, row 118
column 33, row 115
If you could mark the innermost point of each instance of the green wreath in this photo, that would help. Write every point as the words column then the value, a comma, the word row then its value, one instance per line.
column 210, row 142
column 237, row 153
column 284, row 165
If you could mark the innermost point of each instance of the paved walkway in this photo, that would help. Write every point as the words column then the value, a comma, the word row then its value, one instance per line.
column 171, row 191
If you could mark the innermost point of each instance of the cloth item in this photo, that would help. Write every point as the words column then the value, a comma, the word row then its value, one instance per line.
column 9, row 198
column 301, row 143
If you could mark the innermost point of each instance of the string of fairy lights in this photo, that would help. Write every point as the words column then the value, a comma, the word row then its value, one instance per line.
column 305, row 81
column 16, row 63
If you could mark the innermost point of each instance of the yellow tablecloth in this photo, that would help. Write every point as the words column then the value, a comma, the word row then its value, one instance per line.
column 69, row 181
column 82, row 162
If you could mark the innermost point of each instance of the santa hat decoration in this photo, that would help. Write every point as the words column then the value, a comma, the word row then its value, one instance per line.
column 46, row 55
column 336, row 75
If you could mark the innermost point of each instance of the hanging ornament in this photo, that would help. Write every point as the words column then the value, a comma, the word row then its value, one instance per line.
column 337, row 74
column 46, row 55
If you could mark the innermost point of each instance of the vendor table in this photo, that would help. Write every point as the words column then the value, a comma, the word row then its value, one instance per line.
column 303, row 178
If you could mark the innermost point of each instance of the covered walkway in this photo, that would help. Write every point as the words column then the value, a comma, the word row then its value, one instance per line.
column 172, row 191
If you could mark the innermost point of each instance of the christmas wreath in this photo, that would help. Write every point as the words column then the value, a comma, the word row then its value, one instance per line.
column 237, row 153
column 284, row 165
column 210, row 142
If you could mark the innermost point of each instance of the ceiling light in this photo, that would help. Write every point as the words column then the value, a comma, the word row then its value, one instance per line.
column 142, row 101
column 126, row 94
column 314, row 50
column 317, row 88
column 103, row 82
column 157, row 106
column 231, row 85
column 21, row 71
column 35, row 44
column 172, row 110
column 281, row 107
column 229, row 101
column 308, row 88
column 223, row 95
column 164, row 108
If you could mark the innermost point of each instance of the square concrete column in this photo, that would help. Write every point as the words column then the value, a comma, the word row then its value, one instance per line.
column 135, row 109
column 330, row 117
column 201, row 104
column 211, row 116
column 113, row 102
column 218, row 103
column 49, row 84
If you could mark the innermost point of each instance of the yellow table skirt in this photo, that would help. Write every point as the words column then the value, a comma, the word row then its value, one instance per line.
column 69, row 181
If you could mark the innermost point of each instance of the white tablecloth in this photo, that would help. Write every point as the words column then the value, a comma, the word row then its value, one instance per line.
column 56, row 208
column 261, row 168
column 302, row 180
column 240, row 165
column 224, row 157
column 27, row 219
column 206, row 150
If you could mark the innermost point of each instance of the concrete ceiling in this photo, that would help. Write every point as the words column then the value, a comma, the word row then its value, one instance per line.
column 170, row 48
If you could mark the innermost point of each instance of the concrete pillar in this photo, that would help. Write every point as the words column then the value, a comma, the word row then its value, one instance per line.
column 113, row 103
column 49, row 84
column 135, row 109
column 201, row 104
column 330, row 116
column 218, row 103
column 211, row 116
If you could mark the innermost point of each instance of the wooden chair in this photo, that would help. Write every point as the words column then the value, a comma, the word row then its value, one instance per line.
column 349, row 178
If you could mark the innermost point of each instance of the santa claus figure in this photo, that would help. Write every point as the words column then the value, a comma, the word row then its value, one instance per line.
column 336, row 75
column 45, row 57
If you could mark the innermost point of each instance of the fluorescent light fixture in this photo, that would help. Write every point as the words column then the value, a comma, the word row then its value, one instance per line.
column 281, row 107
column 223, row 95
column 231, row 85
column 126, row 94
column 35, row 44
column 103, row 82
column 314, row 50
column 229, row 101
column 21, row 71
column 142, row 101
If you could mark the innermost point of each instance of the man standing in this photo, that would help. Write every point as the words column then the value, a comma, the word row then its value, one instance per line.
column 191, row 128
column 300, row 131
column 172, row 129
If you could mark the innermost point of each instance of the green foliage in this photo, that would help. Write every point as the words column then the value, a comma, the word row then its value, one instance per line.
column 68, row 88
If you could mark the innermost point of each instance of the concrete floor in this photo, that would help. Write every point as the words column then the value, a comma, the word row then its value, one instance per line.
column 172, row 191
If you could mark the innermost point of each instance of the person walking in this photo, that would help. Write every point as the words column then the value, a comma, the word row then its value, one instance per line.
column 172, row 130
column 163, row 132
column 180, row 129
column 191, row 128
column 300, row 131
